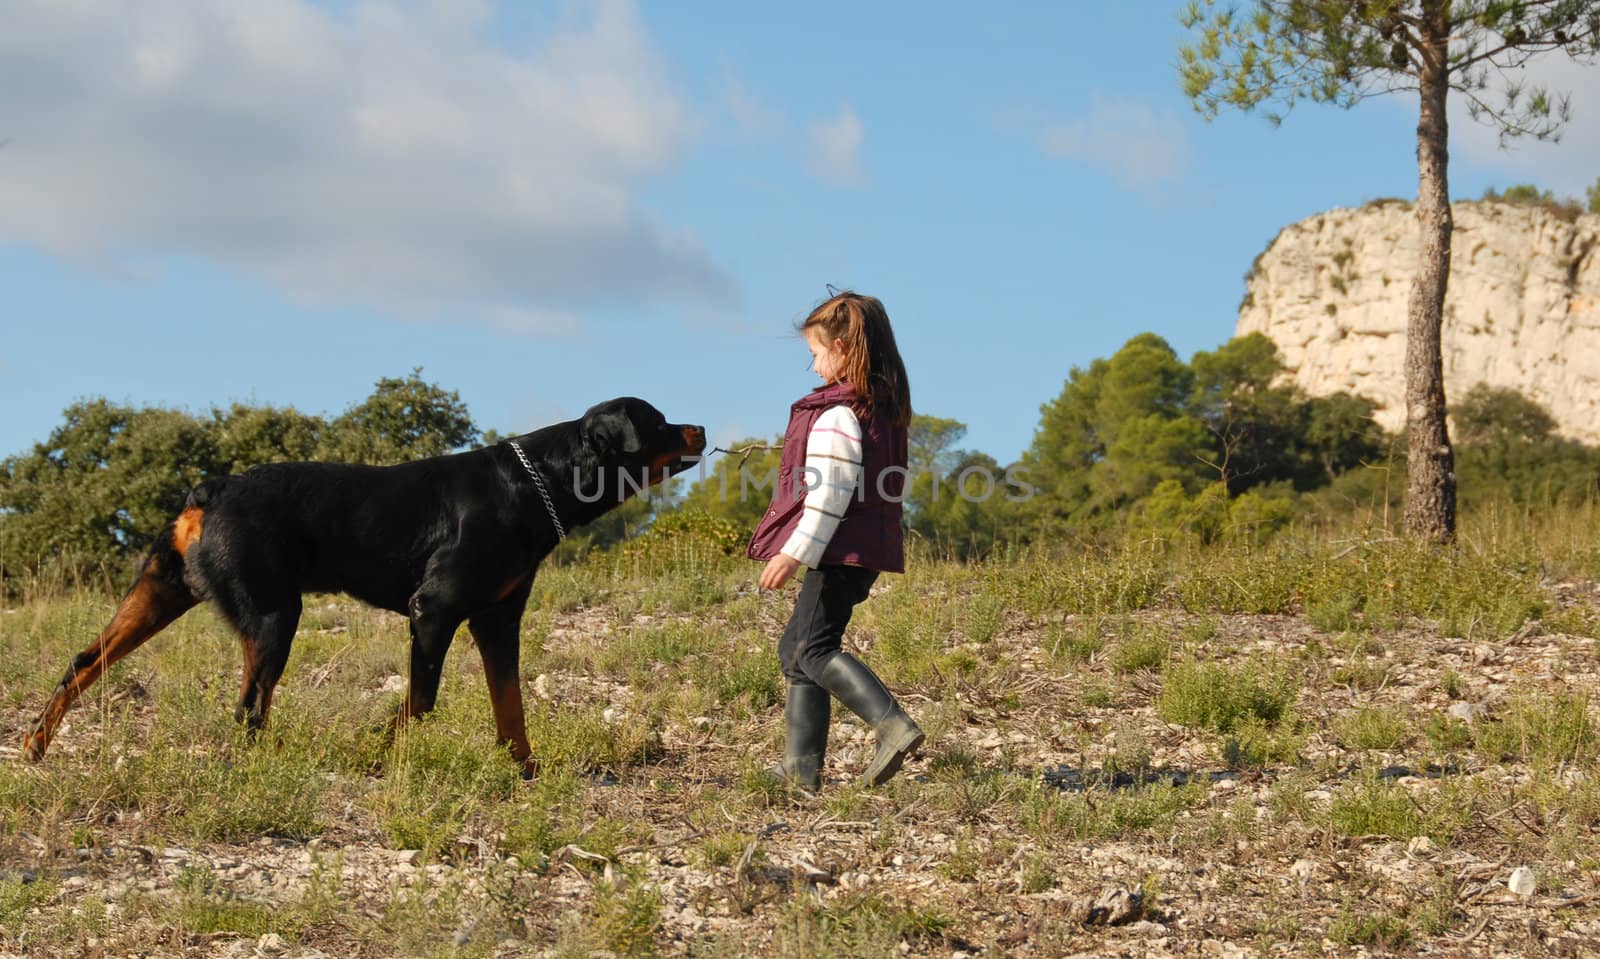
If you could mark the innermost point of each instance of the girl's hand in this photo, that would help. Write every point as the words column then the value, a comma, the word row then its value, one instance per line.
column 778, row 570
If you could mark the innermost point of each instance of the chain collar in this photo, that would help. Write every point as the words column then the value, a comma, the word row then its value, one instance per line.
column 544, row 494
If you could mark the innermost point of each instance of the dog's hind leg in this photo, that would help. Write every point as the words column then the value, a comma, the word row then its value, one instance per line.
column 156, row 598
column 497, row 633
column 266, row 639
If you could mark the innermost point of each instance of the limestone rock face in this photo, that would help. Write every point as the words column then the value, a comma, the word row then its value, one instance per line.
column 1522, row 310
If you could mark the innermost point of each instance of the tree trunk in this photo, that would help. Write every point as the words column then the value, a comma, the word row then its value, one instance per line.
column 1430, row 464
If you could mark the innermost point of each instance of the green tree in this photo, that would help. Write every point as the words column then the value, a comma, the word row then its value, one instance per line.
column 404, row 419
column 1117, row 430
column 1594, row 197
column 1266, row 433
column 1338, row 434
column 931, row 459
column 1064, row 449
column 930, row 443
column 739, row 487
column 1510, row 451
column 1144, row 378
column 1488, row 414
column 1252, row 422
column 1341, row 52
column 1522, row 193
column 965, row 507
column 248, row 436
column 101, row 486
column 1142, row 419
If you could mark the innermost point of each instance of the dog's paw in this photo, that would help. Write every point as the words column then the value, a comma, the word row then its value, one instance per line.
column 34, row 744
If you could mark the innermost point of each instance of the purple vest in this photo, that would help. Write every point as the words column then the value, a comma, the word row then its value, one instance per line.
column 869, row 535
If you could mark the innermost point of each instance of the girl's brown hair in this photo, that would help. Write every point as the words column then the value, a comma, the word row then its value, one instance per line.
column 872, row 361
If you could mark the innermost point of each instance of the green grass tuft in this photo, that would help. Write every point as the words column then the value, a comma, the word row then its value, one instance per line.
column 1220, row 697
column 1544, row 729
column 1383, row 729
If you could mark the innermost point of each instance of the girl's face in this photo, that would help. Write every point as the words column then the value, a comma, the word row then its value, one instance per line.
column 826, row 358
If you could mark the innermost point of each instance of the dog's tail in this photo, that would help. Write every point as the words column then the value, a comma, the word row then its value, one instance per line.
column 158, row 596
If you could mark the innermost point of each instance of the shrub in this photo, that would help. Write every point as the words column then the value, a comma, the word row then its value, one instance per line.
column 1140, row 648
column 625, row 917
column 750, row 675
column 1374, row 807
column 1527, row 194
column 1372, row 728
column 1218, row 697
column 1546, row 730
column 1463, row 591
column 1074, row 644
column 691, row 531
column 1234, row 580
column 1118, row 582
column 1099, row 813
column 982, row 616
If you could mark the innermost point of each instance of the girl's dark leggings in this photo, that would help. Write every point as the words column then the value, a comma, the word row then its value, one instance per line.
column 828, row 596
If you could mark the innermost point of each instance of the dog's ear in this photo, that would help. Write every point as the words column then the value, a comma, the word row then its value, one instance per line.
column 610, row 433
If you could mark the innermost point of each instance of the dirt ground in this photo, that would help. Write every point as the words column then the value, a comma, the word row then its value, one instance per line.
column 1053, row 812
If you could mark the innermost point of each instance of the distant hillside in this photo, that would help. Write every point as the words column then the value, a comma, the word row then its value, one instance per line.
column 1523, row 309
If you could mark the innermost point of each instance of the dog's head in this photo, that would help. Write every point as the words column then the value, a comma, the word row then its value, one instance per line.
column 630, row 435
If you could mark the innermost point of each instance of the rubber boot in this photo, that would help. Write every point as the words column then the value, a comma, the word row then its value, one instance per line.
column 806, row 714
column 858, row 688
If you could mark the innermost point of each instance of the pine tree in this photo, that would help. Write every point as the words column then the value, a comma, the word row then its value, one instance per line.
column 1279, row 52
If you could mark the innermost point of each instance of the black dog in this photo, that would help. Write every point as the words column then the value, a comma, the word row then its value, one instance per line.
column 444, row 540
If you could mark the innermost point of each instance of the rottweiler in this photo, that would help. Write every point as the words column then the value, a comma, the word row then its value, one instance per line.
column 443, row 540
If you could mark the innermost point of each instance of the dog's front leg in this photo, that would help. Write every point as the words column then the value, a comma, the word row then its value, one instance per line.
column 433, row 626
column 497, row 631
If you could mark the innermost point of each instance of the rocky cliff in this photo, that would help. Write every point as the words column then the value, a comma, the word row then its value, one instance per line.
column 1523, row 308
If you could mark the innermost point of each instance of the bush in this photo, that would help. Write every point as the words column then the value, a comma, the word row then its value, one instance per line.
column 1140, row 648
column 1242, row 580
column 692, row 529
column 1466, row 593
column 1526, row 194
column 1547, row 730
column 1217, row 697
column 1115, row 581
column 1070, row 645
column 1372, row 728
column 1374, row 807
column 625, row 917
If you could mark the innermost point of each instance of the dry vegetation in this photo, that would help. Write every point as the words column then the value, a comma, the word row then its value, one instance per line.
column 1330, row 745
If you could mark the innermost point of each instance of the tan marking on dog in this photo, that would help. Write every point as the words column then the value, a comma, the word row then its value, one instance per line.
column 509, row 588
column 186, row 529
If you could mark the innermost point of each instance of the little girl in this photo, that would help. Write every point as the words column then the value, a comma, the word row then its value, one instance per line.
column 836, row 509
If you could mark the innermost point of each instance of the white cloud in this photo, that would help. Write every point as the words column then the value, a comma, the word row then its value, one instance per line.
column 1123, row 138
column 1567, row 167
column 836, row 147
column 752, row 116
column 391, row 155
column 515, row 319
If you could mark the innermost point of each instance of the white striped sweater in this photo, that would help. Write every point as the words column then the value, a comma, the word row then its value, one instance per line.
column 832, row 472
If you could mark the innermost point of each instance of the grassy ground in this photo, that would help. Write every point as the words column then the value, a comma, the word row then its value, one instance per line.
column 1331, row 745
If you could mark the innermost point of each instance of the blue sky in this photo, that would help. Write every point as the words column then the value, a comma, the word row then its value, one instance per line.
column 544, row 206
